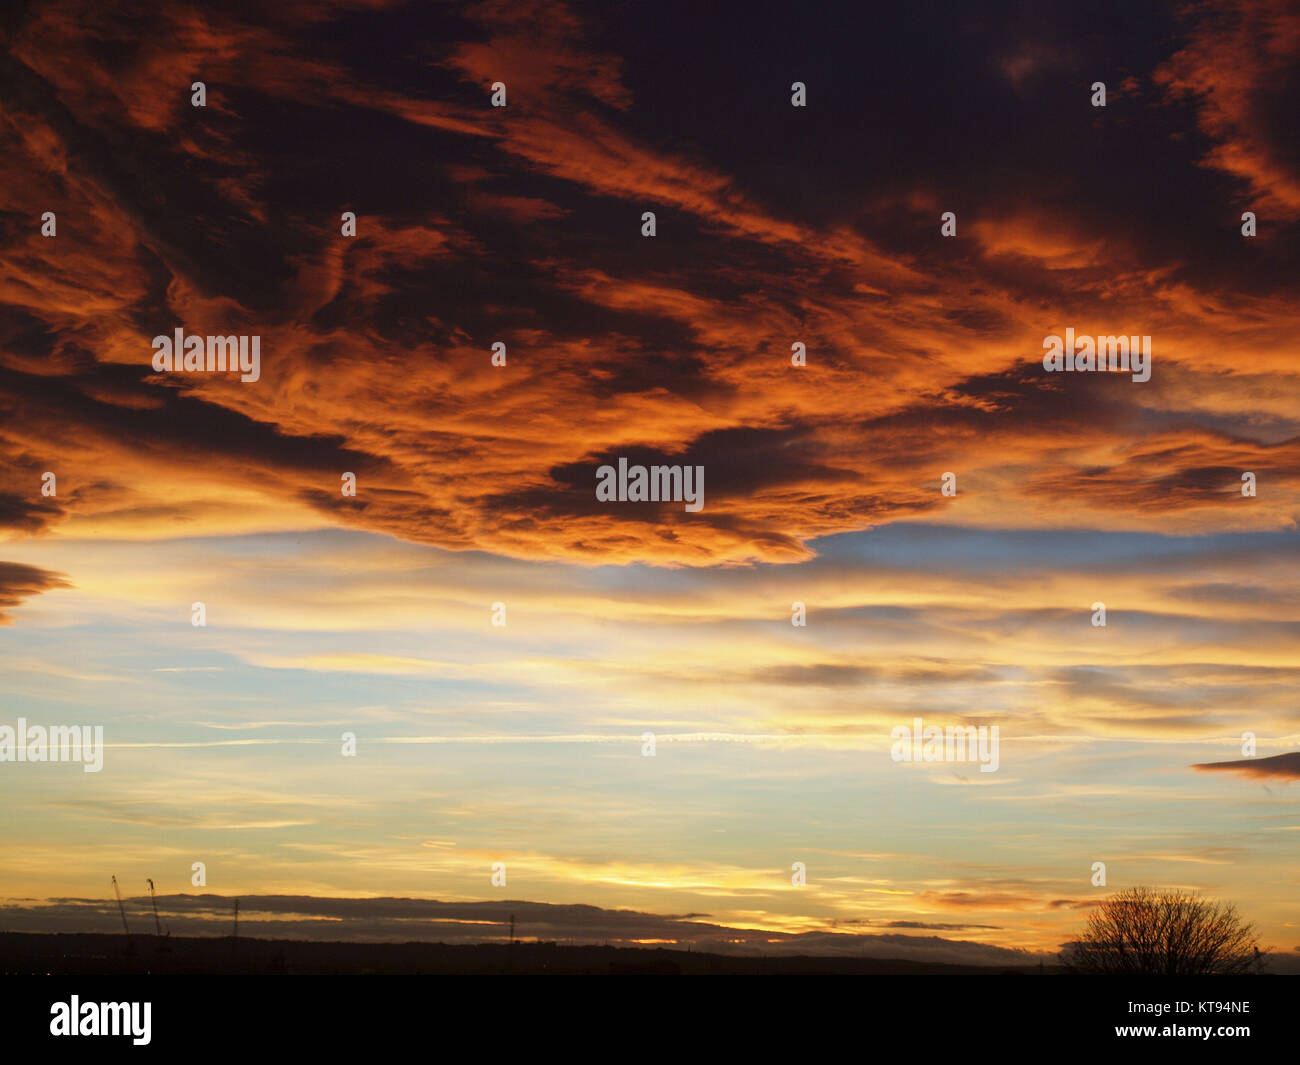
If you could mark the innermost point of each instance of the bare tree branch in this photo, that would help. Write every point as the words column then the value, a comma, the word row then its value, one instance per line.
column 1171, row 933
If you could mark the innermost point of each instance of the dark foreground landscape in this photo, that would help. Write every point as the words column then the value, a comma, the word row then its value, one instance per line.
column 24, row 954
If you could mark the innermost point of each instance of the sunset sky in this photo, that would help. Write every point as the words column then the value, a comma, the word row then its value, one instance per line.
column 775, row 224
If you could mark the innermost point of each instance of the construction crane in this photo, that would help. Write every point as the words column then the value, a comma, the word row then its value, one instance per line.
column 153, row 897
column 121, row 908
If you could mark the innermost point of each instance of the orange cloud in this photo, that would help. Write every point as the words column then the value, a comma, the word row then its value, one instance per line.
column 1238, row 53
column 377, row 348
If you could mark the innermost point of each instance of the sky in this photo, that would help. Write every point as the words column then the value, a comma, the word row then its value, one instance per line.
column 380, row 615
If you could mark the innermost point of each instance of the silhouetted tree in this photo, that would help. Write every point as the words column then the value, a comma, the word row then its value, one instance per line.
column 1170, row 933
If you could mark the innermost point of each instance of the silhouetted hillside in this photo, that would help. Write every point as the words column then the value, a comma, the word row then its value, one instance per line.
column 86, row 954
